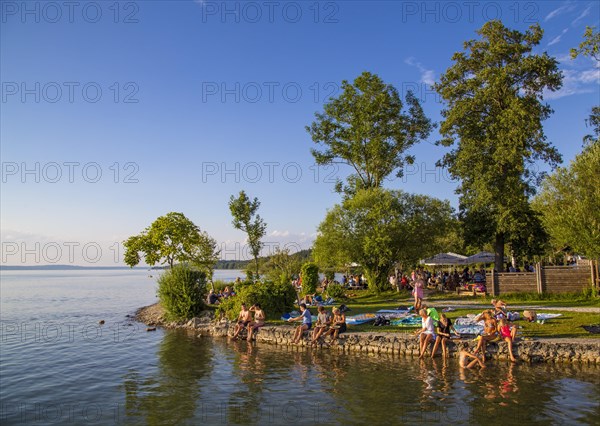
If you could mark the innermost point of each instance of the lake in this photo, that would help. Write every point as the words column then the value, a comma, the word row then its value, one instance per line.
column 58, row 365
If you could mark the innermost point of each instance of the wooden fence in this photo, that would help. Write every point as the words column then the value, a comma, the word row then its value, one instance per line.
column 546, row 279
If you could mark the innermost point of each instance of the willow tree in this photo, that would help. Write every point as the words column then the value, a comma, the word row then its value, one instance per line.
column 493, row 121
column 367, row 128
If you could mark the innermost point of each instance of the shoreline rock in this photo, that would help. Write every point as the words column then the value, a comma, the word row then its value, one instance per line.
column 375, row 343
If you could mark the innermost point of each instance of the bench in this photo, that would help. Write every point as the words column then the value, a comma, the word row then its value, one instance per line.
column 471, row 291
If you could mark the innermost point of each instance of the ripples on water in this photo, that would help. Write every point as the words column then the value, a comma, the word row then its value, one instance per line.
column 58, row 365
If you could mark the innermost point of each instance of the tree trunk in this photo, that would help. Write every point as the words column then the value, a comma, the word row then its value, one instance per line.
column 499, row 251
column 256, row 263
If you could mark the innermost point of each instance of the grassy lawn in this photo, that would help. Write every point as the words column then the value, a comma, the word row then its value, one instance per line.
column 516, row 299
column 566, row 326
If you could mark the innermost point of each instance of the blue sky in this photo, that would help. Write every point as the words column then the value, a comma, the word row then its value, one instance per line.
column 111, row 117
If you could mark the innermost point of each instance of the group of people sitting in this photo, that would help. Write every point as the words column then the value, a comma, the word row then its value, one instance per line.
column 214, row 297
column 245, row 321
column 437, row 329
column 325, row 325
column 315, row 300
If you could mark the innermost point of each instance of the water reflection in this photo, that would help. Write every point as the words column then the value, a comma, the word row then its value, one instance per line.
column 221, row 382
column 171, row 394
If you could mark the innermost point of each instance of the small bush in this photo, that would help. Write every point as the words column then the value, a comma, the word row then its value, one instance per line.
column 336, row 291
column 330, row 274
column 274, row 298
column 181, row 291
column 220, row 285
column 590, row 292
column 310, row 278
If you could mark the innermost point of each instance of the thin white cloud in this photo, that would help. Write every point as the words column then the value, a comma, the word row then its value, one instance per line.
column 563, row 58
column 427, row 75
column 576, row 83
column 568, row 7
column 556, row 39
column 582, row 15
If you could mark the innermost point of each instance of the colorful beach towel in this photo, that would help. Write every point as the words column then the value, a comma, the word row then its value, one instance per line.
column 360, row 319
column 408, row 321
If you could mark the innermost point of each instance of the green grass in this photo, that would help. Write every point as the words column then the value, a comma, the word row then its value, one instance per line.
column 562, row 299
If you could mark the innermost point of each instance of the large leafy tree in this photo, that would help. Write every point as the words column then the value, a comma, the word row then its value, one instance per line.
column 367, row 128
column 590, row 47
column 494, row 92
column 378, row 228
column 245, row 218
column 172, row 238
column 570, row 203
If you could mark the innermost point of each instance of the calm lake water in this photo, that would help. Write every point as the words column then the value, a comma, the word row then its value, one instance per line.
column 59, row 366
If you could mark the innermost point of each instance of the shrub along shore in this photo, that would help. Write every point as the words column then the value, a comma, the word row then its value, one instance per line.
column 556, row 350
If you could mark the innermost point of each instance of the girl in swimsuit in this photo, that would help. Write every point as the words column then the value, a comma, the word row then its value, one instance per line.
column 259, row 320
column 490, row 332
column 506, row 334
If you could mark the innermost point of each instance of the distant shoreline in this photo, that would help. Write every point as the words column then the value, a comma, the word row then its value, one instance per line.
column 58, row 267
column 80, row 268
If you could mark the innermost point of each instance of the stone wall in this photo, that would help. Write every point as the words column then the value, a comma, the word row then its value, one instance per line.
column 407, row 344
column 390, row 343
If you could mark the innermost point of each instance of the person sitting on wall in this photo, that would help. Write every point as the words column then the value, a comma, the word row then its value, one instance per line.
column 323, row 323
column 244, row 318
column 338, row 324
column 259, row 320
column 306, row 325
column 426, row 333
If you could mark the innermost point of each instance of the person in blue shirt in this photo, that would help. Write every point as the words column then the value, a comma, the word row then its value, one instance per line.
column 306, row 318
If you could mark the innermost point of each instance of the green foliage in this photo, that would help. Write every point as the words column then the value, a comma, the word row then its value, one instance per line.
column 590, row 47
column 569, row 203
column 378, row 228
column 231, row 264
column 590, row 292
column 329, row 274
column 281, row 266
column 494, row 92
column 181, row 291
column 310, row 278
column 337, row 291
column 219, row 285
column 367, row 129
column 172, row 238
column 274, row 298
column 246, row 218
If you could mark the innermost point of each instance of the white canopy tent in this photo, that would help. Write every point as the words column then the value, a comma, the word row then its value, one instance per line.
column 481, row 257
column 442, row 259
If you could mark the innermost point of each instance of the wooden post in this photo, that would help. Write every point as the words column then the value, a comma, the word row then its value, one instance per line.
column 538, row 278
column 495, row 289
column 594, row 272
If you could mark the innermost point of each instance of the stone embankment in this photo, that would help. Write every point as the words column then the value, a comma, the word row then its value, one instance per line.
column 542, row 350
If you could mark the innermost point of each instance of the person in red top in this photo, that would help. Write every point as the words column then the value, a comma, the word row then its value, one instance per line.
column 506, row 334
